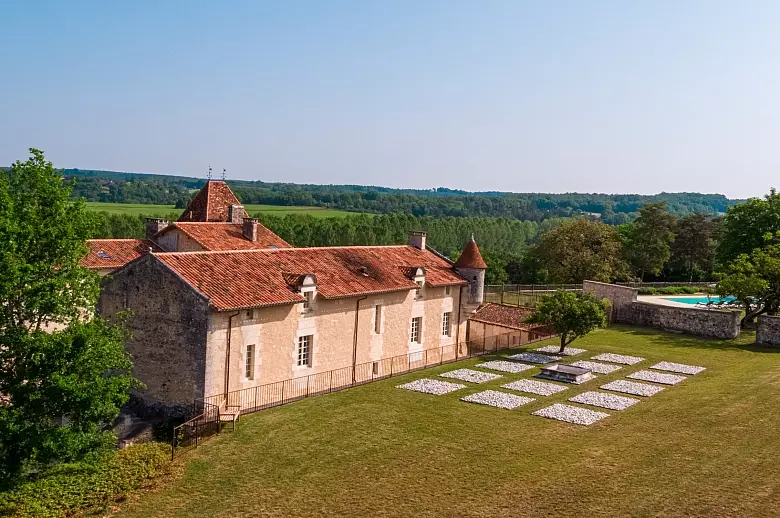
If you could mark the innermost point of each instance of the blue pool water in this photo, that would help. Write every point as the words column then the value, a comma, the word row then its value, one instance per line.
column 697, row 299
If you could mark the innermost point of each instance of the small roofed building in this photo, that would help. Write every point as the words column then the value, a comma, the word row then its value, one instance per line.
column 206, row 323
column 493, row 323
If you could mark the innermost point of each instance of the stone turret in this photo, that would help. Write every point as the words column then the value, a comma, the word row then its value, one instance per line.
column 471, row 267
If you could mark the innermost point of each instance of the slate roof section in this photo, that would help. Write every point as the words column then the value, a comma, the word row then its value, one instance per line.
column 226, row 236
column 511, row 317
column 114, row 253
column 256, row 278
column 470, row 257
column 211, row 203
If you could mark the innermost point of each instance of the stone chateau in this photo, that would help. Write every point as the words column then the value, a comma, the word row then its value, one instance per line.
column 217, row 302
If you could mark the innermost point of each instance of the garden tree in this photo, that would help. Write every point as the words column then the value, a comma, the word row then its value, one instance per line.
column 754, row 280
column 572, row 315
column 746, row 226
column 61, row 387
column 580, row 250
column 693, row 248
column 651, row 238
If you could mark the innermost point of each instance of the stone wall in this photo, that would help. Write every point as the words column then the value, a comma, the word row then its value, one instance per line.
column 626, row 309
column 168, row 323
column 768, row 330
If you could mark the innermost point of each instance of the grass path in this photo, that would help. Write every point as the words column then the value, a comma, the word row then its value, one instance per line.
column 707, row 447
column 164, row 210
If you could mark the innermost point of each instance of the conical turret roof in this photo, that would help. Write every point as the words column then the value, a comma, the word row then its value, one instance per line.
column 211, row 203
column 470, row 257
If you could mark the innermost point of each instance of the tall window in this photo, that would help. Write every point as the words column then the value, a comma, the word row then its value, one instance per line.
column 445, row 323
column 304, row 351
column 249, row 362
column 309, row 296
column 418, row 291
column 416, row 328
column 378, row 319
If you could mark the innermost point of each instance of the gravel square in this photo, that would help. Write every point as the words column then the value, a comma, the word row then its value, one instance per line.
column 497, row 399
column 429, row 386
column 569, row 351
column 657, row 377
column 534, row 358
column 599, row 368
column 571, row 414
column 505, row 366
column 618, row 358
column 604, row 400
column 540, row 388
column 678, row 367
column 470, row 375
column 632, row 387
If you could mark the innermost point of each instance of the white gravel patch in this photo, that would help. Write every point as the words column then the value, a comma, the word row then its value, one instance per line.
column 429, row 386
column 618, row 358
column 632, row 387
column 534, row 358
column 678, row 367
column 571, row 414
column 504, row 366
column 470, row 375
column 498, row 399
column 540, row 388
column 657, row 377
column 600, row 399
column 569, row 351
column 599, row 368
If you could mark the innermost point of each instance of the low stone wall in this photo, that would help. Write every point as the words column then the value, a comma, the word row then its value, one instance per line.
column 626, row 309
column 768, row 330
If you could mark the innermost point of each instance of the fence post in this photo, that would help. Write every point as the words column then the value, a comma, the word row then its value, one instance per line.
column 282, row 402
column 308, row 381
column 173, row 444
column 256, row 396
column 331, row 382
column 392, row 363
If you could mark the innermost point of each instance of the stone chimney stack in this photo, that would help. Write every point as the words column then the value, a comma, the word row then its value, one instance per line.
column 154, row 225
column 236, row 213
column 417, row 239
column 250, row 229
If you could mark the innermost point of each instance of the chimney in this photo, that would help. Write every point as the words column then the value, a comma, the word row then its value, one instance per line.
column 250, row 228
column 236, row 213
column 417, row 239
column 154, row 225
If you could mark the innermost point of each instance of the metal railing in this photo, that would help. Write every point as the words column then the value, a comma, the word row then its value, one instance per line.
column 206, row 424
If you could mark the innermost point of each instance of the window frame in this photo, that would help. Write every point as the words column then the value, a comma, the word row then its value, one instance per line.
column 378, row 319
column 249, row 362
column 304, row 353
column 415, row 334
column 446, row 324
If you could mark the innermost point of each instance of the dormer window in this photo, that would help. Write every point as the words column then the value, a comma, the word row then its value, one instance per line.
column 418, row 292
column 309, row 296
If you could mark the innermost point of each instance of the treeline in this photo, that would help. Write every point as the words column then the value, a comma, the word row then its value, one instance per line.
column 611, row 209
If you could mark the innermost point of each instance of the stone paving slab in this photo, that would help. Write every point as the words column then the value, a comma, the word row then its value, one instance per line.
column 618, row 358
column 470, row 375
column 498, row 399
column 540, row 388
column 571, row 414
column 604, row 400
column 678, row 367
column 534, row 358
column 632, row 387
column 657, row 377
column 554, row 349
column 429, row 386
column 505, row 366
column 597, row 367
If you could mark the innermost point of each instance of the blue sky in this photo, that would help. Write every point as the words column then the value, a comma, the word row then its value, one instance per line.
column 545, row 96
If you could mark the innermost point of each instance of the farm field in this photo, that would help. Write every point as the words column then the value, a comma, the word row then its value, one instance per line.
column 704, row 447
column 164, row 210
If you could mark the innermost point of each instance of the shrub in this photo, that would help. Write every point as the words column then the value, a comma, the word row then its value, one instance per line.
column 66, row 488
column 647, row 291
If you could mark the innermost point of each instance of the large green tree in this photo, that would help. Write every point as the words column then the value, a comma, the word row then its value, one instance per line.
column 693, row 248
column 572, row 315
column 582, row 250
column 747, row 225
column 59, row 387
column 651, row 237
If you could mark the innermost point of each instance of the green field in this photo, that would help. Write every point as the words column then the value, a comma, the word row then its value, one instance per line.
column 706, row 447
column 165, row 210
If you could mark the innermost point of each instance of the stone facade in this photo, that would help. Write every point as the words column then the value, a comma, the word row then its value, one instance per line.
column 626, row 309
column 168, row 322
column 768, row 330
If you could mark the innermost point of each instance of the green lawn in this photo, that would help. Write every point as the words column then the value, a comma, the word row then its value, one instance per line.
column 164, row 210
column 706, row 447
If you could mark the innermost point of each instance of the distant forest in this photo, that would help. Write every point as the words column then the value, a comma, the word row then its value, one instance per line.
column 615, row 209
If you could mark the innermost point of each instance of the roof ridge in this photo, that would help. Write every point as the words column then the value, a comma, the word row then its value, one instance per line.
column 118, row 239
column 267, row 250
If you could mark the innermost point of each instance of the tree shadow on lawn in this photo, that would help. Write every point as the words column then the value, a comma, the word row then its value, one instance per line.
column 745, row 341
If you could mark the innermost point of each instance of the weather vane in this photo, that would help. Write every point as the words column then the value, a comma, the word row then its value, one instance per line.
column 209, row 176
column 224, row 172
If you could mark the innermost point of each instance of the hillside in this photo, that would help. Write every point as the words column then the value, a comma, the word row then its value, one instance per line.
column 119, row 187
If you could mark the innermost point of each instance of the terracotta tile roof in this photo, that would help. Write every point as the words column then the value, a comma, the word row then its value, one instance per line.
column 254, row 278
column 113, row 253
column 211, row 203
column 512, row 317
column 227, row 236
column 470, row 257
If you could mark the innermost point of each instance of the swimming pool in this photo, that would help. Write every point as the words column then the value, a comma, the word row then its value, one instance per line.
column 699, row 299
